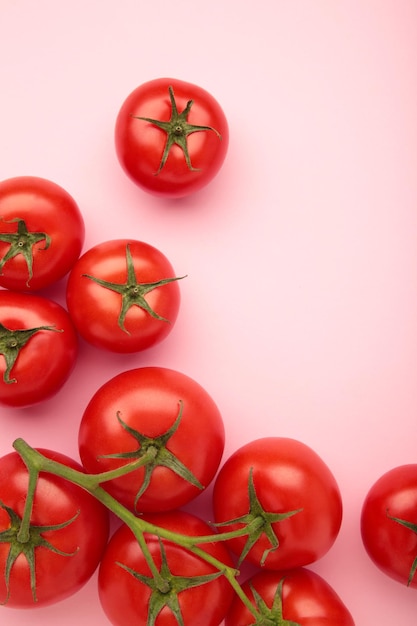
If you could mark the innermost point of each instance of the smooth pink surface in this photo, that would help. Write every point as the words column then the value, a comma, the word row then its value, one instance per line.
column 299, row 313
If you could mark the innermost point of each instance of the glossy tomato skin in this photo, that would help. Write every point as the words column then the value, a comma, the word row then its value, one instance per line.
column 125, row 599
column 95, row 310
column 56, row 501
column 288, row 476
column 46, row 361
column 307, row 599
column 148, row 400
column 46, row 209
column 140, row 145
column 391, row 545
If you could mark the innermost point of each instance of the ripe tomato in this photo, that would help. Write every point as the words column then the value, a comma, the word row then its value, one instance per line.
column 129, row 594
column 158, row 411
column 68, row 534
column 389, row 524
column 298, row 597
column 122, row 295
column 41, row 233
column 288, row 493
column 171, row 137
column 38, row 348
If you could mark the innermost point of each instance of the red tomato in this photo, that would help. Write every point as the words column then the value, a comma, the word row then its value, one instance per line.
column 123, row 296
column 41, row 233
column 38, row 348
column 127, row 588
column 290, row 495
column 300, row 596
column 171, row 137
column 389, row 524
column 162, row 410
column 68, row 534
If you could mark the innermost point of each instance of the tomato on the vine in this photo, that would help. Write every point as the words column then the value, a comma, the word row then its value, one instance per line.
column 163, row 418
column 38, row 348
column 389, row 524
column 285, row 496
column 186, row 589
column 298, row 597
column 57, row 553
column 171, row 137
column 41, row 233
column 123, row 296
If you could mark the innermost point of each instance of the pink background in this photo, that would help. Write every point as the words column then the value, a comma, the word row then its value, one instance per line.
column 299, row 313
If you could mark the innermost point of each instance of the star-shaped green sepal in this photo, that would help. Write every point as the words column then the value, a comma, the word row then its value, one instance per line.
column 413, row 527
column 271, row 616
column 166, row 587
column 28, row 547
column 177, row 130
column 22, row 242
column 12, row 341
column 161, row 455
column 132, row 292
column 258, row 522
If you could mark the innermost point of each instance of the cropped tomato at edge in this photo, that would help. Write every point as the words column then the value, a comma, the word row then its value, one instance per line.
column 300, row 596
column 68, row 528
column 41, row 233
column 126, row 598
column 389, row 524
column 38, row 348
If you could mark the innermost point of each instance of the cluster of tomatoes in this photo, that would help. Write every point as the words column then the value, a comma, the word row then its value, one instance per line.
column 155, row 436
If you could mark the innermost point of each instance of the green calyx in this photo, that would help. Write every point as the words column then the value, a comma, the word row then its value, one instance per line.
column 177, row 129
column 159, row 456
column 413, row 527
column 165, row 588
column 26, row 543
column 271, row 616
column 258, row 522
column 12, row 341
column 133, row 292
column 22, row 242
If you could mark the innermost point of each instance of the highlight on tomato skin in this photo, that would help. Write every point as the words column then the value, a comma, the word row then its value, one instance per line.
column 300, row 597
column 171, row 137
column 281, row 489
column 388, row 524
column 42, row 233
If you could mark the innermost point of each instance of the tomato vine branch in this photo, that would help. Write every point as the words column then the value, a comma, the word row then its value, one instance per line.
column 37, row 463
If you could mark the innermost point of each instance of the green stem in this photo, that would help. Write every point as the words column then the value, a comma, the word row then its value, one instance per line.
column 94, row 480
column 188, row 541
column 139, row 535
column 229, row 573
column 37, row 463
column 34, row 460
column 23, row 535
